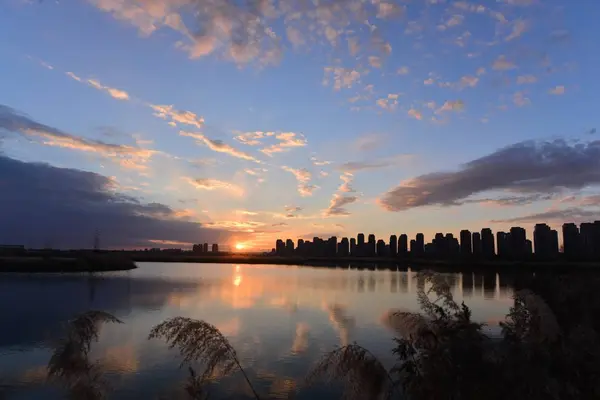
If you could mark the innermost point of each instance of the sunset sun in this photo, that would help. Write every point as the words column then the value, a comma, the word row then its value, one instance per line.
column 240, row 246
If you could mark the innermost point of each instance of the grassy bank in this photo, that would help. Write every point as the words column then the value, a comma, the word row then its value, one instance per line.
column 72, row 262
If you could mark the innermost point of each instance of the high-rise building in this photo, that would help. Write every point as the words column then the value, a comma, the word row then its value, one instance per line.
column 503, row 244
column 487, row 243
column 343, row 248
column 542, row 241
column 529, row 248
column 279, row 247
column 476, row 244
column 381, row 248
column 197, row 248
column 586, row 232
column 403, row 245
column 393, row 246
column 300, row 247
column 353, row 247
column 413, row 247
column 419, row 244
column 289, row 247
column 332, row 246
column 361, row 248
column 466, row 247
column 571, row 241
column 554, row 246
column 215, row 248
column 371, row 250
column 205, row 247
column 518, row 242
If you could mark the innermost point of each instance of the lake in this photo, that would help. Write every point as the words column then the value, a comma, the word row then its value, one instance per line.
column 280, row 319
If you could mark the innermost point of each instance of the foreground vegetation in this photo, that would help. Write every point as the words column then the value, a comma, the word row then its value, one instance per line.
column 549, row 349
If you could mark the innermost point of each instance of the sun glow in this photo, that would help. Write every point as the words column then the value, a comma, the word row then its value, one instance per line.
column 240, row 246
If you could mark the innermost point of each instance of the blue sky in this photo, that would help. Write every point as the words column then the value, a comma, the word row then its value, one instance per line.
column 292, row 119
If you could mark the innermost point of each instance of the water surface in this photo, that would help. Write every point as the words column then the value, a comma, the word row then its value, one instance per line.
column 280, row 319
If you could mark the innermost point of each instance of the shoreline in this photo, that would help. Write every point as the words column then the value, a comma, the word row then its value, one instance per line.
column 374, row 262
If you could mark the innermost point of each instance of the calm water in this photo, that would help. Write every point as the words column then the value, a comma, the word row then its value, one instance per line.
column 280, row 319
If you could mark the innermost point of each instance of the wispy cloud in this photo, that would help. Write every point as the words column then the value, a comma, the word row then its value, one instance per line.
column 557, row 91
column 337, row 203
column 129, row 157
column 252, row 138
column 287, row 140
column 526, row 79
column 341, row 77
column 303, row 177
column 174, row 116
column 113, row 92
column 503, row 64
column 214, row 184
column 356, row 166
column 220, row 147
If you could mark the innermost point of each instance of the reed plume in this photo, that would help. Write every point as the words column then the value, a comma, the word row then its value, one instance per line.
column 363, row 375
column 70, row 364
column 200, row 341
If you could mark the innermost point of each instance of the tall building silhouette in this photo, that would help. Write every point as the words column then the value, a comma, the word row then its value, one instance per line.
column 554, row 246
column 487, row 243
column 518, row 242
column 403, row 245
column 332, row 246
column 343, row 248
column 289, row 247
column 371, row 250
column 205, row 247
column 542, row 241
column 571, row 240
column 477, row 244
column 419, row 244
column 353, row 247
column 503, row 244
column 361, row 245
column 413, row 247
column 466, row 248
column 393, row 246
column 381, row 248
column 215, row 248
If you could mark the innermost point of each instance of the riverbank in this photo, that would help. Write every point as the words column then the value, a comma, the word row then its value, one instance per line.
column 370, row 262
column 69, row 262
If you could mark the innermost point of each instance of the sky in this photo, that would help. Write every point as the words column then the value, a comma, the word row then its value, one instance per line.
column 163, row 123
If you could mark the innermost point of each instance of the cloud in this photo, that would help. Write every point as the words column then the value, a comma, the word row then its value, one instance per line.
column 237, row 226
column 347, row 179
column 287, row 140
column 67, row 212
column 342, row 77
column 174, row 116
column 415, row 114
column 375, row 61
column 455, row 20
column 303, row 176
column 253, row 138
column 214, row 184
column 403, row 71
column 526, row 79
column 519, row 27
column 557, row 91
column 342, row 323
column 468, row 81
column 574, row 214
column 12, row 121
column 356, row 166
column 451, row 105
column 336, row 206
column 318, row 163
column 220, row 147
column 369, row 142
column 113, row 92
column 502, row 64
column 520, row 99
column 526, row 167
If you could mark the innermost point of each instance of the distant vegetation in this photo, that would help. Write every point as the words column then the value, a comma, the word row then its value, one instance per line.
column 549, row 348
column 76, row 261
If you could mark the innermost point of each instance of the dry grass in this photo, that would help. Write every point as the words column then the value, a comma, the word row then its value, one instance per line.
column 363, row 375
